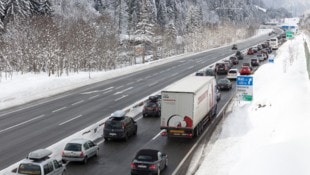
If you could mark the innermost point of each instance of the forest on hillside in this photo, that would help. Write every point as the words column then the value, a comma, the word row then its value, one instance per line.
column 64, row 36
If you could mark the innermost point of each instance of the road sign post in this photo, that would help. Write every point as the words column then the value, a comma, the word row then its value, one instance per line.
column 245, row 87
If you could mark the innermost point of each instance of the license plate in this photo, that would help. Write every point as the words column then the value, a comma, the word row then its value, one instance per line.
column 142, row 166
column 176, row 131
column 112, row 134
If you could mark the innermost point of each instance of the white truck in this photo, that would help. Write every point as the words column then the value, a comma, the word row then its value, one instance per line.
column 274, row 43
column 187, row 105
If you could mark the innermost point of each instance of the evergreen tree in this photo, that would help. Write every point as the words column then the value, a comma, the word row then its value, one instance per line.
column 41, row 7
column 17, row 8
column 1, row 15
column 144, row 33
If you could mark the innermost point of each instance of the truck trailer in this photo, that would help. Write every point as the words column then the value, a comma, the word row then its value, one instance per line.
column 187, row 105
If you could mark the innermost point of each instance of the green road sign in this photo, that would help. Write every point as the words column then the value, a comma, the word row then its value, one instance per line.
column 247, row 97
column 289, row 34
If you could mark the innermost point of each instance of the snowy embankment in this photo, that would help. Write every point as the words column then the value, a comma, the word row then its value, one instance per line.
column 270, row 135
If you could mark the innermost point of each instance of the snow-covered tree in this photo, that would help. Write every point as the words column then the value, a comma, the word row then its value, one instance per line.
column 20, row 8
column 2, row 7
column 41, row 7
column 144, row 33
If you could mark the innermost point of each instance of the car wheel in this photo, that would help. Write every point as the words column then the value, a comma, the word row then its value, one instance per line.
column 126, row 137
column 106, row 139
column 135, row 133
column 97, row 153
column 85, row 160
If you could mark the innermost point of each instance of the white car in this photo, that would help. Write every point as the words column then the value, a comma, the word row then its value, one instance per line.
column 232, row 74
column 39, row 163
column 260, row 57
column 79, row 150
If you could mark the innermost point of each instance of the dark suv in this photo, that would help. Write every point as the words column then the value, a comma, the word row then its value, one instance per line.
column 221, row 68
column 119, row 126
column 239, row 55
column 152, row 107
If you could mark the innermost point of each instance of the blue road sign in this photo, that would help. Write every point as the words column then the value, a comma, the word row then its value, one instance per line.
column 271, row 59
column 245, row 80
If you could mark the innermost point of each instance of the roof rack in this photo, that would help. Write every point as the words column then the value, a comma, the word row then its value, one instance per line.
column 118, row 114
column 39, row 155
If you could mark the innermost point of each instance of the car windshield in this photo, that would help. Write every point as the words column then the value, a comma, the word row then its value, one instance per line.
column 73, row 147
column 29, row 169
column 146, row 158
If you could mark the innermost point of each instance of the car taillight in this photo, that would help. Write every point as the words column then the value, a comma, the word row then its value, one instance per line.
column 63, row 152
column 152, row 167
column 82, row 154
column 164, row 133
column 133, row 166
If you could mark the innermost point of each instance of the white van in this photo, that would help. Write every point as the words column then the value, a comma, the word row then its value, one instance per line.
column 274, row 43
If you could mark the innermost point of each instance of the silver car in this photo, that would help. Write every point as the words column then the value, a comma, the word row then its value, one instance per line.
column 79, row 150
column 39, row 163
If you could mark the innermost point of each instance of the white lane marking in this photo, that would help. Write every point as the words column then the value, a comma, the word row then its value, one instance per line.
column 107, row 91
column 139, row 80
column 155, row 137
column 119, row 87
column 153, row 84
column 93, row 97
column 139, row 118
column 121, row 97
column 147, row 77
column 70, row 120
column 174, row 74
column 77, row 102
column 22, row 123
column 155, row 74
column 190, row 67
column 59, row 109
column 129, row 83
column 89, row 92
column 120, row 92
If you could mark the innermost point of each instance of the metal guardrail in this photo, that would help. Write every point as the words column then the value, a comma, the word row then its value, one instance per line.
column 307, row 54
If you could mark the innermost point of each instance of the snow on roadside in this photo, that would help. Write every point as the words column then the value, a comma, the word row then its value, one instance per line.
column 271, row 134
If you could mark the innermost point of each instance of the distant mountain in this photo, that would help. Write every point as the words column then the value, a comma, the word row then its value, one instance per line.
column 296, row 7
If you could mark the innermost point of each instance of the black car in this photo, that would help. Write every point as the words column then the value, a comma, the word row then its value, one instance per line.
column 152, row 107
column 148, row 161
column 221, row 68
column 119, row 126
column 254, row 62
column 224, row 84
column 234, row 47
column 234, row 60
column 208, row 72
column 239, row 55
